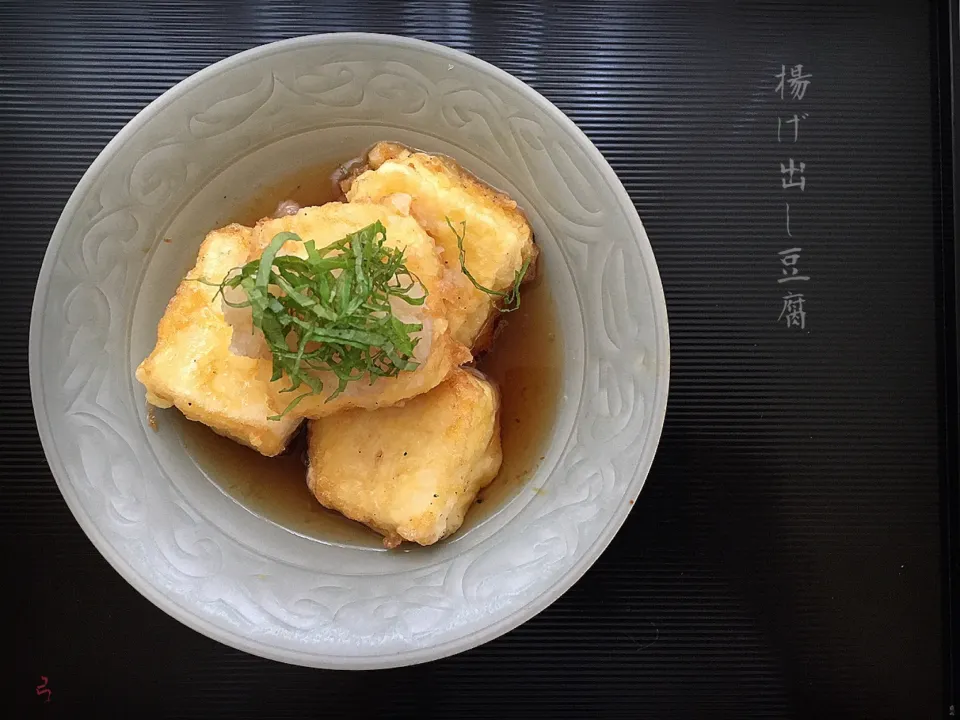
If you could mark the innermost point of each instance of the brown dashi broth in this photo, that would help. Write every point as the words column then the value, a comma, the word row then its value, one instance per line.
column 524, row 362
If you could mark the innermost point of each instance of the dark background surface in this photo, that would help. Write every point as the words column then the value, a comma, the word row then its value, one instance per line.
column 786, row 557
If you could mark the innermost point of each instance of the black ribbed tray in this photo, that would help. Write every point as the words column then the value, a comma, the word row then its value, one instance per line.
column 789, row 554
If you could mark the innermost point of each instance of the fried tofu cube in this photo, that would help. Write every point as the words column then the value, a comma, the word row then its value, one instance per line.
column 412, row 471
column 192, row 366
column 437, row 352
column 497, row 238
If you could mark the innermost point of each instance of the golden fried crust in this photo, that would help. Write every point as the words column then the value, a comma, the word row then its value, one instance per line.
column 412, row 471
column 498, row 238
column 333, row 221
column 192, row 366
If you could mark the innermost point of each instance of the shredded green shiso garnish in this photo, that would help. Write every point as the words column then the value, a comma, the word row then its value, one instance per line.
column 330, row 312
column 510, row 297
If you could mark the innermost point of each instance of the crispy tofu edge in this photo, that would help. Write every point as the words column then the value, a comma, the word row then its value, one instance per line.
column 385, row 151
column 484, row 473
column 265, row 443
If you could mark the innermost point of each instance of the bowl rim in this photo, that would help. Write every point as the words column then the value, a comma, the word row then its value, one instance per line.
column 246, row 643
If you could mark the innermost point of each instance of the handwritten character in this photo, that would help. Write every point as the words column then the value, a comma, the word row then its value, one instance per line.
column 42, row 689
column 793, row 311
column 798, row 82
column 795, row 121
column 789, row 259
column 790, row 170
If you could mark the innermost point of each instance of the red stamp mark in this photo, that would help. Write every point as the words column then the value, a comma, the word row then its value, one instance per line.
column 42, row 689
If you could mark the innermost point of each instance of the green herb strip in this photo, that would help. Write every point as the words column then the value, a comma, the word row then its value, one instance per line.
column 333, row 307
column 511, row 297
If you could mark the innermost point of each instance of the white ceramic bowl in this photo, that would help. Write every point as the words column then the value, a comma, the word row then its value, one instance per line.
column 107, row 275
